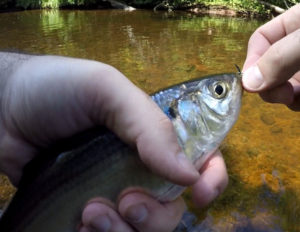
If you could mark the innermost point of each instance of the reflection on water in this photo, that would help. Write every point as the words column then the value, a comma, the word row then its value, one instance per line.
column 155, row 50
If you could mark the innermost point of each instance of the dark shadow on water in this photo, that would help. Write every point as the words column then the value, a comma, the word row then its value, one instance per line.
column 240, row 223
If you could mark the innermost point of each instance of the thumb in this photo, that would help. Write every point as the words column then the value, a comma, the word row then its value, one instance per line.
column 137, row 120
column 276, row 66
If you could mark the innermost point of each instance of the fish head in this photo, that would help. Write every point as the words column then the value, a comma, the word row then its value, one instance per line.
column 202, row 112
column 205, row 112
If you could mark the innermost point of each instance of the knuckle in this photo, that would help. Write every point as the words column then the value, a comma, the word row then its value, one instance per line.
column 252, row 40
column 276, row 57
column 297, row 37
column 290, row 20
column 296, row 10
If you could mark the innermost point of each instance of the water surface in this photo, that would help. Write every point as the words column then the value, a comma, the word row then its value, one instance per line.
column 155, row 50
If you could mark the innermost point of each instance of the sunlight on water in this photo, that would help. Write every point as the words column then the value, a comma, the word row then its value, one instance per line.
column 155, row 50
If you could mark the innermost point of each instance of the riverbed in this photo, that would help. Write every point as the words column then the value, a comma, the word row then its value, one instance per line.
column 157, row 49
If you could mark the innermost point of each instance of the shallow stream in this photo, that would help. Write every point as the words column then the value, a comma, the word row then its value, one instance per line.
column 155, row 50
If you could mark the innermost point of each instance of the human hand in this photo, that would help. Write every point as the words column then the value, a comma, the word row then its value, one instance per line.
column 48, row 98
column 272, row 66
column 149, row 215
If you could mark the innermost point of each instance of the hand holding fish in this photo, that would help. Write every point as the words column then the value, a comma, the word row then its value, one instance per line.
column 46, row 98
column 272, row 67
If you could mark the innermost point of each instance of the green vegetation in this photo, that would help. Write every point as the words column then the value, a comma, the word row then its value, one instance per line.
column 253, row 6
column 4, row 4
column 36, row 4
column 32, row 4
column 237, row 4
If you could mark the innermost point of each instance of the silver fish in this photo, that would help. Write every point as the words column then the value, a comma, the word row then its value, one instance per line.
column 56, row 185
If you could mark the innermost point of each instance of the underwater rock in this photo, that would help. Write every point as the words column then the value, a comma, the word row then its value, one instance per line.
column 276, row 130
column 267, row 119
column 252, row 152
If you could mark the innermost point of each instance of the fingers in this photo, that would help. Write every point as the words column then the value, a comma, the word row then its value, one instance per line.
column 148, row 215
column 136, row 119
column 273, row 55
column 90, row 94
column 276, row 66
column 212, row 182
column 295, row 82
column 281, row 94
column 100, row 217
column 273, row 60
column 138, row 212
column 270, row 33
column 159, row 150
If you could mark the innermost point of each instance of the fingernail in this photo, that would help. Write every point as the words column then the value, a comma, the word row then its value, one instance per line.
column 252, row 78
column 101, row 223
column 186, row 164
column 136, row 213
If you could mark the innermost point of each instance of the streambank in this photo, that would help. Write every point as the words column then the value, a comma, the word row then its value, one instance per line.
column 234, row 8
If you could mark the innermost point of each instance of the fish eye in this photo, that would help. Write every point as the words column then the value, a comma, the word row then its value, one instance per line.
column 219, row 90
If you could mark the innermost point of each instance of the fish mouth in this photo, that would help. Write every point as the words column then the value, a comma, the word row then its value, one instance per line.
column 239, row 76
column 239, row 72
